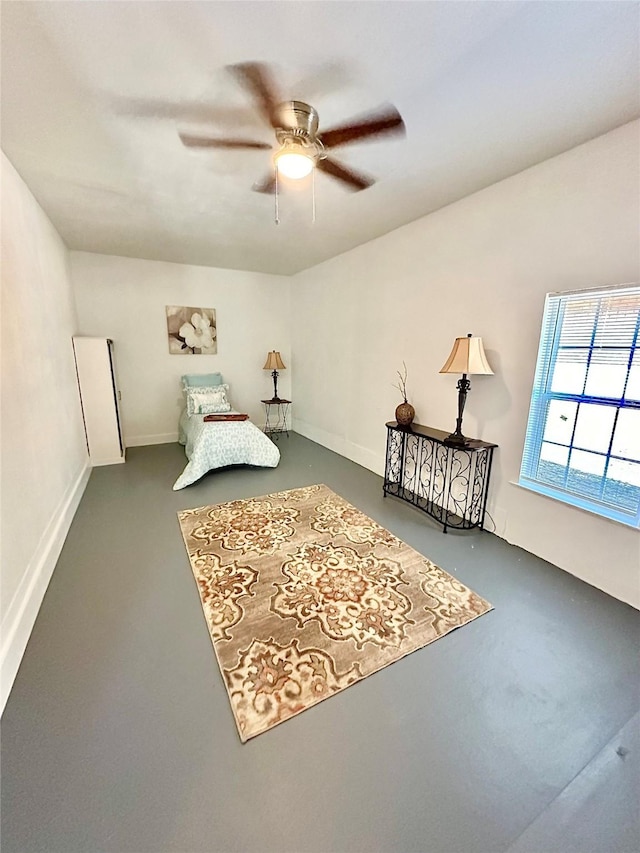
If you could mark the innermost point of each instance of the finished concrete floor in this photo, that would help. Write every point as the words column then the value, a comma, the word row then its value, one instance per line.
column 502, row 736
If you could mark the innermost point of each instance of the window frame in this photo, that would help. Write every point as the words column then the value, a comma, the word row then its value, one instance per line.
column 541, row 397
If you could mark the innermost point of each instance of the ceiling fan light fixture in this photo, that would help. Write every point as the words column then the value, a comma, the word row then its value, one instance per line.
column 294, row 162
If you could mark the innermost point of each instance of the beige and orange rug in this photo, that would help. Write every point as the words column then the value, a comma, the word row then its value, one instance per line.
column 304, row 595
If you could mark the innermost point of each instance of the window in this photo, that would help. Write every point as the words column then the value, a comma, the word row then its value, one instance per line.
column 583, row 436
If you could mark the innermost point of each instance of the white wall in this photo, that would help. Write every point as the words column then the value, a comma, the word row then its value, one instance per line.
column 125, row 299
column 44, row 454
column 482, row 265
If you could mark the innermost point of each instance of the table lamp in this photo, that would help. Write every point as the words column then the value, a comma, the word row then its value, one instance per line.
column 274, row 363
column 467, row 357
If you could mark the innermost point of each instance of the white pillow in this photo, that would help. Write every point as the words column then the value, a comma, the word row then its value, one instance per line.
column 207, row 401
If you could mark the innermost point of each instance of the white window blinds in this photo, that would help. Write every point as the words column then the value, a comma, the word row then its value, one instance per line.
column 583, row 436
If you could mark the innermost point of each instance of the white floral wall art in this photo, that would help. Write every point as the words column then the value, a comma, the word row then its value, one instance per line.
column 192, row 331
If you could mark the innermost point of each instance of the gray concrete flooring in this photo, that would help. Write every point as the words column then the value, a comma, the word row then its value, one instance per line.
column 502, row 736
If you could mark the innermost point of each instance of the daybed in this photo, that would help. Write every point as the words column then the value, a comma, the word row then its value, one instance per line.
column 209, row 445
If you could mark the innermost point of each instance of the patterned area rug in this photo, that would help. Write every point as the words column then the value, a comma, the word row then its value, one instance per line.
column 304, row 595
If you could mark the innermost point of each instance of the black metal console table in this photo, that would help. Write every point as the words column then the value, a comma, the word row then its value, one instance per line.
column 449, row 483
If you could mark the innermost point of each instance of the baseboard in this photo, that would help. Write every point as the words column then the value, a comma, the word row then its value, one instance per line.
column 23, row 610
column 157, row 438
column 361, row 455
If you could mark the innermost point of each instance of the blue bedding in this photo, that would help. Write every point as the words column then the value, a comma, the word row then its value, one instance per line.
column 212, row 444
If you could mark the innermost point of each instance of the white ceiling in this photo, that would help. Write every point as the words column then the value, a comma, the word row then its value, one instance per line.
column 93, row 94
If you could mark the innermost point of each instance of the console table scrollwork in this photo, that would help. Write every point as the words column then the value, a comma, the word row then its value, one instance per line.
column 449, row 483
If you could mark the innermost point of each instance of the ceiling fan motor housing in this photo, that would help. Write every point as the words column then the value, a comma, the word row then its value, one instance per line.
column 296, row 119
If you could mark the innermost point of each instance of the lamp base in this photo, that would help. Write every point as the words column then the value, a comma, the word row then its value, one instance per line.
column 456, row 440
column 275, row 398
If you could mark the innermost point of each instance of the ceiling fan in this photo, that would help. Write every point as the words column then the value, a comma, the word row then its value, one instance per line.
column 302, row 147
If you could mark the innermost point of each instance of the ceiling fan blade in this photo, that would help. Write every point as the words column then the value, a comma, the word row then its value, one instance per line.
column 354, row 180
column 207, row 142
column 267, row 185
column 256, row 78
column 385, row 121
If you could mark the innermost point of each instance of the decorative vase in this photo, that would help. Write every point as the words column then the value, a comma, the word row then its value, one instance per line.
column 405, row 413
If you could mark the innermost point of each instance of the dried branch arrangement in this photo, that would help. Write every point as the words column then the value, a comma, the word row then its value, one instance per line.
column 401, row 385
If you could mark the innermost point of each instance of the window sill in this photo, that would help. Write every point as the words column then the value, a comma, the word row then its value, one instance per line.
column 633, row 524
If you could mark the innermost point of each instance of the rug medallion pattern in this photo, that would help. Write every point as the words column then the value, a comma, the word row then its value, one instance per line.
column 304, row 595
column 350, row 595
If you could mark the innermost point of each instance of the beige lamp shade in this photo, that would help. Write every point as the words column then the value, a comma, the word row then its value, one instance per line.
column 274, row 361
column 467, row 356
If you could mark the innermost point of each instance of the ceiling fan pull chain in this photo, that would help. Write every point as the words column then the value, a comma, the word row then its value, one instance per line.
column 313, row 195
column 277, row 214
